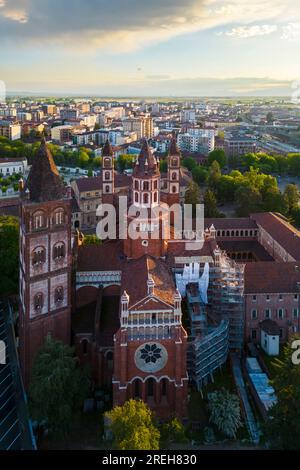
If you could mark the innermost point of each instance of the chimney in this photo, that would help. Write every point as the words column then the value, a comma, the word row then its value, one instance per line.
column 150, row 285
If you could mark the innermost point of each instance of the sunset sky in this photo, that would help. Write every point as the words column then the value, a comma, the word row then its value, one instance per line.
column 157, row 47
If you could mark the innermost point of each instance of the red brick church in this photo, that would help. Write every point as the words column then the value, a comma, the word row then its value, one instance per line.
column 117, row 302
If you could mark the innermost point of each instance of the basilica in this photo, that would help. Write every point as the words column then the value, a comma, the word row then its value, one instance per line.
column 123, row 303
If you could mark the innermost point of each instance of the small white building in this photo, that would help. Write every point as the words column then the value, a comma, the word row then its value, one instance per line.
column 12, row 166
column 269, row 337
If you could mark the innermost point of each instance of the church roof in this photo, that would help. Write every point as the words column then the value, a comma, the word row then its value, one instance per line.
column 146, row 164
column 44, row 182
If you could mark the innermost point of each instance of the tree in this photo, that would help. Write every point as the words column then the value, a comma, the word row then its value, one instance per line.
column 91, row 240
column 133, row 426
column 291, row 195
column 294, row 163
column 125, row 161
column 214, row 174
column 163, row 166
column 192, row 195
column 283, row 427
column 249, row 200
column 273, row 201
column 9, row 255
column 58, row 386
column 219, row 156
column 172, row 431
column 225, row 411
column 199, row 174
column 210, row 204
column 295, row 214
column 189, row 163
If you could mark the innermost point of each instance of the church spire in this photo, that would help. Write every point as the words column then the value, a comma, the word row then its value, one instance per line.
column 44, row 182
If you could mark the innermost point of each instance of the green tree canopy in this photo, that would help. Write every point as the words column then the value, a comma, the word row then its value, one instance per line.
column 210, row 204
column 199, row 174
column 219, row 156
column 291, row 195
column 9, row 255
column 283, row 429
column 225, row 411
column 58, row 386
column 133, row 426
column 214, row 174
column 189, row 163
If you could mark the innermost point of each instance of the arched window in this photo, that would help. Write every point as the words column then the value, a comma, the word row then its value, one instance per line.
column 58, row 217
column 174, row 189
column 137, row 389
column 136, row 197
column 150, row 387
column 107, row 175
column 146, row 185
column 136, row 184
column 39, row 220
column 174, row 162
column 84, row 346
column 174, row 176
column 38, row 256
column 107, row 162
column 107, row 189
column 155, row 184
column 155, row 197
column 59, row 294
column 146, row 198
column 59, row 251
column 164, row 387
column 38, row 302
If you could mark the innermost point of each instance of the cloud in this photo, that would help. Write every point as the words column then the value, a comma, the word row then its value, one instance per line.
column 244, row 32
column 125, row 25
column 291, row 31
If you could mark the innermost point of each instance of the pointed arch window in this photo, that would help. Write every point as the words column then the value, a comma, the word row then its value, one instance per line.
column 107, row 175
column 146, row 198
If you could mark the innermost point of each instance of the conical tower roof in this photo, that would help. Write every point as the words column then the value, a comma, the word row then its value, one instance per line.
column 173, row 149
column 146, row 163
column 43, row 182
column 107, row 149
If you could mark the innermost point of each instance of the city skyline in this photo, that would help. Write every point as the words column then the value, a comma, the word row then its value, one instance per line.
column 209, row 48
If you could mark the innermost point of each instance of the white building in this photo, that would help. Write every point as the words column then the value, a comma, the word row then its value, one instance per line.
column 10, row 130
column 202, row 141
column 11, row 166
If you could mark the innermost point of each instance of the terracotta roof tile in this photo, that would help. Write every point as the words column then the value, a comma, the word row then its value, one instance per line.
column 272, row 277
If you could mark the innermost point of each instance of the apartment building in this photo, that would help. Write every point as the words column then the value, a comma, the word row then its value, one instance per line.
column 10, row 130
column 142, row 125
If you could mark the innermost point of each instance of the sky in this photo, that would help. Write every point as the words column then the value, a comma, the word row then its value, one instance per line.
column 150, row 47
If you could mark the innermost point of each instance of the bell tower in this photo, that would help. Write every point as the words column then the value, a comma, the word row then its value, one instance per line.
column 107, row 174
column 45, row 259
column 146, row 203
column 173, row 173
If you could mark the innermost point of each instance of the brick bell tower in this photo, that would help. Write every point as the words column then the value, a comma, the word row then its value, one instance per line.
column 173, row 196
column 107, row 174
column 146, row 197
column 45, row 259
